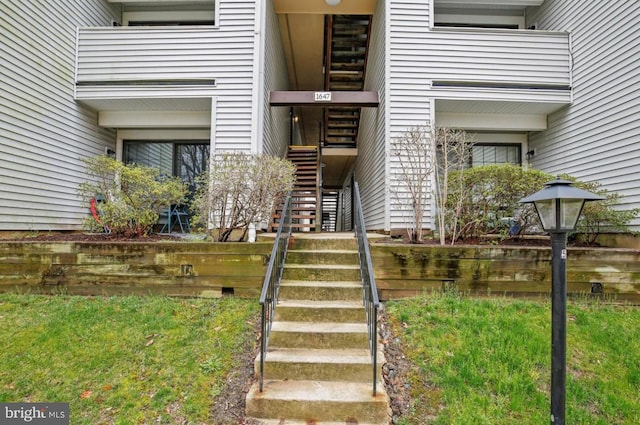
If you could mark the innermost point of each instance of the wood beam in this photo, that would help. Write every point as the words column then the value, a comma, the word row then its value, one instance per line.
column 361, row 99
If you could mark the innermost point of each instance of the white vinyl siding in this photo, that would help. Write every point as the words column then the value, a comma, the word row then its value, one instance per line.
column 276, row 122
column 179, row 62
column 44, row 133
column 408, row 97
column 597, row 138
column 495, row 57
column 370, row 168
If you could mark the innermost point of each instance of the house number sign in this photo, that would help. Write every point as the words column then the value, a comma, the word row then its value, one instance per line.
column 322, row 96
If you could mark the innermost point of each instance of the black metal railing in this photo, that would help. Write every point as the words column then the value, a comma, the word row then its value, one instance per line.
column 271, row 285
column 369, row 289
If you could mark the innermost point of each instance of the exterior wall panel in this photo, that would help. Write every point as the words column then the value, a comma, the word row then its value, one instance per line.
column 408, row 98
column 597, row 137
column 371, row 163
column 174, row 60
column 276, row 128
column 44, row 133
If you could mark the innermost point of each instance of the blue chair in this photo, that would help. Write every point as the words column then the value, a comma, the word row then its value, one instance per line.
column 177, row 215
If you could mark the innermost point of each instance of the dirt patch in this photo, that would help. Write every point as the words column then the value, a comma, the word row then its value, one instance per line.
column 230, row 406
column 395, row 369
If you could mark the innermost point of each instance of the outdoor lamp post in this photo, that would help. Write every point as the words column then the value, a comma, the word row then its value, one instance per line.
column 559, row 206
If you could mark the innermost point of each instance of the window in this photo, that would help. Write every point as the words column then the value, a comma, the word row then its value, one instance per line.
column 185, row 159
column 485, row 154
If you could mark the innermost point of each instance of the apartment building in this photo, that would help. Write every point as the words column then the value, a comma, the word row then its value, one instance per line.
column 553, row 84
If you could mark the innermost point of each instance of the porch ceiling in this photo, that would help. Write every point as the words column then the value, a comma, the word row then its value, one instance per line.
column 149, row 104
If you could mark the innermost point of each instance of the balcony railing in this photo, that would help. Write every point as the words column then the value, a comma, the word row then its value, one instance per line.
column 493, row 58
column 161, row 55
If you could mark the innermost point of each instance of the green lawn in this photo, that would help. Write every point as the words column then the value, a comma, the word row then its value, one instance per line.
column 122, row 360
column 488, row 361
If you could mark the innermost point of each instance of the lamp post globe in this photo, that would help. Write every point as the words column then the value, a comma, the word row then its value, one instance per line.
column 559, row 206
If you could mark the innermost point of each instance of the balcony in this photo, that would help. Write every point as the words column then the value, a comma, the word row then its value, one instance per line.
column 138, row 68
column 480, row 73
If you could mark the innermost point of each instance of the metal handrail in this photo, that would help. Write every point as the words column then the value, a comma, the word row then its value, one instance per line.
column 369, row 289
column 271, row 285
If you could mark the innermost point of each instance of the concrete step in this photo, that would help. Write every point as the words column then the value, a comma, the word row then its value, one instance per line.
column 320, row 290
column 317, row 402
column 337, row 256
column 321, row 272
column 339, row 241
column 326, row 335
column 319, row 311
column 349, row 365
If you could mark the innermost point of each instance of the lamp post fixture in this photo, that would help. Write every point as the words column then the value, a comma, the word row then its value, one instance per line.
column 559, row 206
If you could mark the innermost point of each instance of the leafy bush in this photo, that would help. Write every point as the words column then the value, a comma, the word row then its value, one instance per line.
column 602, row 216
column 490, row 200
column 490, row 203
column 238, row 190
column 132, row 195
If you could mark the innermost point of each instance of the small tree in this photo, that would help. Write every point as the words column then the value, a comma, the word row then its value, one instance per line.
column 602, row 216
column 132, row 195
column 453, row 149
column 414, row 155
column 239, row 189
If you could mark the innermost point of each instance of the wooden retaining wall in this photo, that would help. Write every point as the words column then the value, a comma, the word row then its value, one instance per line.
column 405, row 270
column 169, row 268
column 211, row 269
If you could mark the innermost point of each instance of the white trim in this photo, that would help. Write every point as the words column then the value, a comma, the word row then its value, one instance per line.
column 387, row 115
column 571, row 63
column 432, row 15
column 213, row 124
column 119, row 145
column 433, row 211
column 75, row 62
column 216, row 14
column 258, row 78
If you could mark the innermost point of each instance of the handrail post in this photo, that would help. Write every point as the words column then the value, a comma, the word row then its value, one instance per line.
column 369, row 289
column 271, row 284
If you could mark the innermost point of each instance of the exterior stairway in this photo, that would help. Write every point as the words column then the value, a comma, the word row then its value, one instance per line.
column 306, row 191
column 318, row 369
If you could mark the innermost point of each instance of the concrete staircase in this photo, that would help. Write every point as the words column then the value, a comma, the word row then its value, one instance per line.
column 318, row 368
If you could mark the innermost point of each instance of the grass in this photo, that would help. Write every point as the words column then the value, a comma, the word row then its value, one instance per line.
column 488, row 361
column 125, row 360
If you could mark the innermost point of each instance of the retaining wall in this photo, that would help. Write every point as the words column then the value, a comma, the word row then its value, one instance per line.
column 211, row 269
column 404, row 270
column 171, row 268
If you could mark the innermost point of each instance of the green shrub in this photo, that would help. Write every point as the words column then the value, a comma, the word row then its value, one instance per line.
column 491, row 198
column 131, row 195
column 238, row 190
column 490, row 203
column 602, row 216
